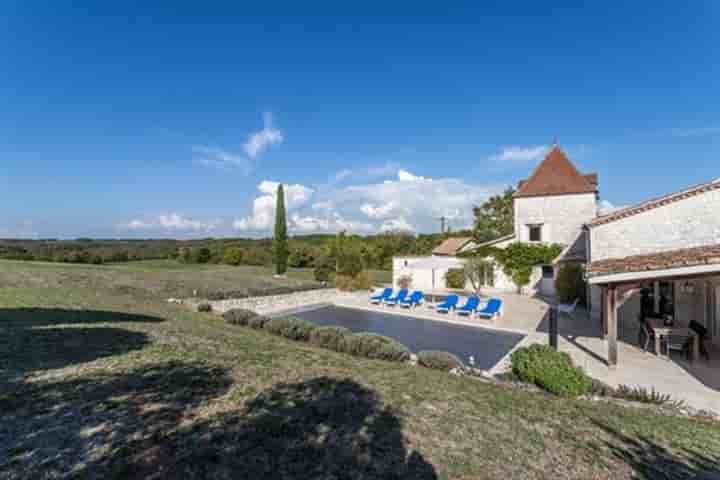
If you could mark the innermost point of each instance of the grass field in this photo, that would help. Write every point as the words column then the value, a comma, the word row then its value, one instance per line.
column 101, row 378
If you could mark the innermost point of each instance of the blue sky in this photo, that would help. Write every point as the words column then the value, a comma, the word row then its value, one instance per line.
column 176, row 120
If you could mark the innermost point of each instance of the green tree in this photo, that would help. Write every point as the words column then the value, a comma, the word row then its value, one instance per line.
column 200, row 255
column 280, row 239
column 233, row 256
column 494, row 218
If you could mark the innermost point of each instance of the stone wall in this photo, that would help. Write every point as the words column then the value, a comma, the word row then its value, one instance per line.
column 692, row 222
column 276, row 303
column 562, row 216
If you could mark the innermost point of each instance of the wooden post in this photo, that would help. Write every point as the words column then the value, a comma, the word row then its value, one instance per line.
column 553, row 328
column 611, row 304
column 603, row 312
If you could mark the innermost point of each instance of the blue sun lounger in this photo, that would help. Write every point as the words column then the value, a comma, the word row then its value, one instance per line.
column 492, row 309
column 470, row 307
column 449, row 304
column 397, row 298
column 387, row 293
column 413, row 301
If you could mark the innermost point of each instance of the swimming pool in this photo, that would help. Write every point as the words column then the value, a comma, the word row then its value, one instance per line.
column 486, row 346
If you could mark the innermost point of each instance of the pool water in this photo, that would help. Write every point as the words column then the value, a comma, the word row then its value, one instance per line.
column 486, row 346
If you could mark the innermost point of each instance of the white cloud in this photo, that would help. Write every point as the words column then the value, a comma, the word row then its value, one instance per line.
column 520, row 154
column 379, row 211
column 222, row 159
column 405, row 176
column 409, row 203
column 397, row 225
column 258, row 142
column 263, row 214
column 225, row 159
column 170, row 222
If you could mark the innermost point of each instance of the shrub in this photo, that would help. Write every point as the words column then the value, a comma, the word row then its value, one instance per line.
column 204, row 307
column 570, row 284
column 238, row 316
column 438, row 360
column 455, row 278
column 375, row 346
column 404, row 282
column 324, row 268
column 258, row 322
column 330, row 337
column 361, row 281
column 290, row 327
column 640, row 394
column 550, row 370
column 232, row 256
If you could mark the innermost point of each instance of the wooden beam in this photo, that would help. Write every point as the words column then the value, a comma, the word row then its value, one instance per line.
column 611, row 306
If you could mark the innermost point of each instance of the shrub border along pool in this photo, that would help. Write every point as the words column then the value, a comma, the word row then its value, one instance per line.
column 379, row 347
column 339, row 339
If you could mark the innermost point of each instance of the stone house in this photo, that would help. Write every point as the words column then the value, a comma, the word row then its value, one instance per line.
column 550, row 207
column 660, row 257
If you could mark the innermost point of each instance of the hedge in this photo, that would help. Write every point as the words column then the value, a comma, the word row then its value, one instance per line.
column 438, row 360
column 258, row 322
column 238, row 316
column 372, row 345
column 330, row 337
column 551, row 370
column 290, row 327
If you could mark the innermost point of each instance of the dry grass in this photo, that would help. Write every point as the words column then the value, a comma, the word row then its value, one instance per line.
column 101, row 378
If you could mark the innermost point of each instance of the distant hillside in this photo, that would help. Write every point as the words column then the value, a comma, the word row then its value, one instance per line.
column 378, row 249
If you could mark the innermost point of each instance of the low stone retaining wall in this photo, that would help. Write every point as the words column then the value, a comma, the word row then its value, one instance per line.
column 275, row 303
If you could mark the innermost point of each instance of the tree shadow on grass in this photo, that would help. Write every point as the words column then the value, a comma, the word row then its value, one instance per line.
column 650, row 460
column 145, row 424
column 34, row 339
column 321, row 428
column 37, row 317
column 98, row 426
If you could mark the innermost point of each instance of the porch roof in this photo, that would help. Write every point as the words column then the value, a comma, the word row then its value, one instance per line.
column 675, row 263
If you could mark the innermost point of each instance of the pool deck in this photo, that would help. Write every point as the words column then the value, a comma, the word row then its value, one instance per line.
column 697, row 383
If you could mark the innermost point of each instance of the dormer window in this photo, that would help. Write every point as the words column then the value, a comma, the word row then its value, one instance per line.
column 535, row 233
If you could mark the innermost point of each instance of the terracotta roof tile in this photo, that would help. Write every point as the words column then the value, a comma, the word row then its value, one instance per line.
column 556, row 175
column 656, row 202
column 451, row 245
column 687, row 257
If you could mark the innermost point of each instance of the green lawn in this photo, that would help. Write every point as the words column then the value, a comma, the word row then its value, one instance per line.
column 101, row 378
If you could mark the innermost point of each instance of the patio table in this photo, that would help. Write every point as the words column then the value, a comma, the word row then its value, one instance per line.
column 661, row 330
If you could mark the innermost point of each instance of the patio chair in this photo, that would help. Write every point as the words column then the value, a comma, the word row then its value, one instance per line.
column 387, row 293
column 413, row 301
column 492, row 309
column 568, row 308
column 679, row 343
column 449, row 304
column 702, row 334
column 646, row 335
column 397, row 298
column 470, row 307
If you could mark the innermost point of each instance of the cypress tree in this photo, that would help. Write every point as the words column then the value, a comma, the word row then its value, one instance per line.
column 280, row 240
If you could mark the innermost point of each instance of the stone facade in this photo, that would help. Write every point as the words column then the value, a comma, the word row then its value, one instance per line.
column 688, row 223
column 561, row 216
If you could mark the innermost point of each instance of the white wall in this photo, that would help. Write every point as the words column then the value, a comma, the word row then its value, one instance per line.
column 562, row 216
column 692, row 222
column 422, row 278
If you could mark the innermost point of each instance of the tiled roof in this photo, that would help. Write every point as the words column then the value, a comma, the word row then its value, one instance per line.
column 656, row 202
column 451, row 246
column 687, row 257
column 556, row 175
